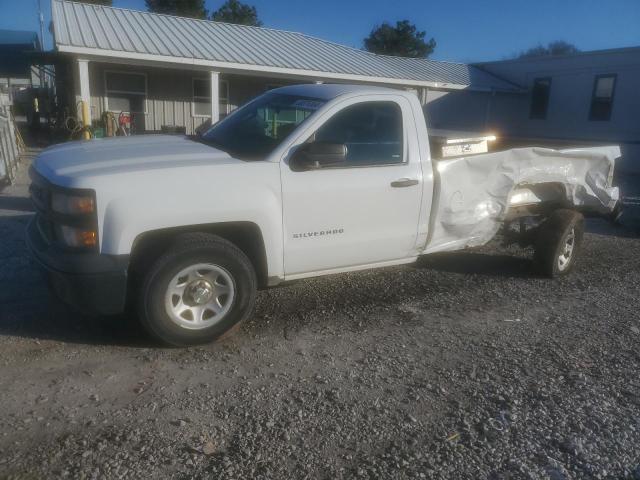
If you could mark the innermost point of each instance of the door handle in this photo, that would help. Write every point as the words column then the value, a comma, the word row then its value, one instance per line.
column 404, row 182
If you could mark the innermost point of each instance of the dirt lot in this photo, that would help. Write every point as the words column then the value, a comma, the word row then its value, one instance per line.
column 464, row 366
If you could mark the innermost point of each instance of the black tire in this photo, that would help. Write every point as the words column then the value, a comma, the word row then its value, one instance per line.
column 188, row 250
column 551, row 241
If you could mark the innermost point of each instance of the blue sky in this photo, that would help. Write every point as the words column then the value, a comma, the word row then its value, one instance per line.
column 466, row 30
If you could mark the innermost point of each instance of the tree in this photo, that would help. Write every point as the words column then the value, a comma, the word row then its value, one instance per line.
column 180, row 8
column 559, row 47
column 403, row 40
column 234, row 11
column 107, row 3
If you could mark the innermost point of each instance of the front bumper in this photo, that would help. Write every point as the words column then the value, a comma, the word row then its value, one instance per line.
column 90, row 282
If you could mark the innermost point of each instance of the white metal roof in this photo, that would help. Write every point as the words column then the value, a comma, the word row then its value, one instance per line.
column 115, row 32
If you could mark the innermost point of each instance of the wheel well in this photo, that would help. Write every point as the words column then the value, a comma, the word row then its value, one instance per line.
column 548, row 197
column 244, row 235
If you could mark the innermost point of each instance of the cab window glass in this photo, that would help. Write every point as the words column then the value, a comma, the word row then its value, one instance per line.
column 252, row 132
column 372, row 132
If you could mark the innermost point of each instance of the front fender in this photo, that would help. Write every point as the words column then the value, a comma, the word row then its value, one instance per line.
column 202, row 197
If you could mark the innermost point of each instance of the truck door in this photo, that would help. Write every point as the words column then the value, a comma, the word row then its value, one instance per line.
column 364, row 210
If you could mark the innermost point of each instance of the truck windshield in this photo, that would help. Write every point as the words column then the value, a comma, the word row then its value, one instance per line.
column 256, row 129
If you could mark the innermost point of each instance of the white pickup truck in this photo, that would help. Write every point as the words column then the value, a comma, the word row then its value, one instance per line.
column 303, row 181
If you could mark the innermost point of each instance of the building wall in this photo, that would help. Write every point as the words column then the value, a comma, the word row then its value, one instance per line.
column 457, row 109
column 572, row 82
column 169, row 94
column 567, row 121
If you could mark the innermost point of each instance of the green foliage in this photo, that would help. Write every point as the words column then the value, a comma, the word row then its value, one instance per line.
column 559, row 47
column 180, row 8
column 107, row 3
column 403, row 40
column 234, row 11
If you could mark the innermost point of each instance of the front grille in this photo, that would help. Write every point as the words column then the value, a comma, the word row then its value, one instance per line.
column 41, row 198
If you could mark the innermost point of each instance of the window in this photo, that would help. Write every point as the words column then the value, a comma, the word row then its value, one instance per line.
column 602, row 97
column 201, row 106
column 372, row 132
column 540, row 98
column 125, row 92
column 253, row 131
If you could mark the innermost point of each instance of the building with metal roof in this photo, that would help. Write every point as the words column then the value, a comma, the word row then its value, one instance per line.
column 166, row 70
column 106, row 31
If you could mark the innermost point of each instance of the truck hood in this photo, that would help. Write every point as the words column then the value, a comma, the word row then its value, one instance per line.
column 67, row 163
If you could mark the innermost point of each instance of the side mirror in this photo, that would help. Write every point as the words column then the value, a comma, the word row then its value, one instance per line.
column 311, row 156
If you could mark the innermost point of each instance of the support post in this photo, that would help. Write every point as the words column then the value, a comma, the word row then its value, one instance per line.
column 424, row 95
column 215, row 97
column 85, row 97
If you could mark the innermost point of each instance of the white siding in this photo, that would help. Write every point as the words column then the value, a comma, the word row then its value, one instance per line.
column 572, row 81
column 170, row 93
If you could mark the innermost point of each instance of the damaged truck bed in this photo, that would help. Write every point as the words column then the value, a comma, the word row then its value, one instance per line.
column 477, row 194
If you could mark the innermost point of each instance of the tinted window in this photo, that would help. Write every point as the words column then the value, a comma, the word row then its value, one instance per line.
column 372, row 132
column 255, row 130
column 202, row 97
column 602, row 98
column 540, row 98
column 126, row 82
column 125, row 92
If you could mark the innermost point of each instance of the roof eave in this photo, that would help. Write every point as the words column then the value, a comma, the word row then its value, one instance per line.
column 99, row 54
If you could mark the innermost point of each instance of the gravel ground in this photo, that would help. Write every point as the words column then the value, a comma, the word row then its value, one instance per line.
column 463, row 366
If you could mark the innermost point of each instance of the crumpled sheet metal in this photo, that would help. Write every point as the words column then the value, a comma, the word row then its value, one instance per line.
column 475, row 190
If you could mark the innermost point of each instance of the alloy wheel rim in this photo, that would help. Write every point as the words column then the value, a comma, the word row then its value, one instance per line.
column 564, row 259
column 199, row 296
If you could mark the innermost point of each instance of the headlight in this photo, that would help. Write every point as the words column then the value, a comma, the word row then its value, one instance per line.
column 72, row 204
column 77, row 237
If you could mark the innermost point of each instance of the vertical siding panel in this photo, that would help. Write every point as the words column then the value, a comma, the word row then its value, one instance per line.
column 171, row 112
column 168, row 112
column 148, row 116
column 177, row 114
column 150, row 122
column 169, row 93
column 158, row 113
column 188, row 119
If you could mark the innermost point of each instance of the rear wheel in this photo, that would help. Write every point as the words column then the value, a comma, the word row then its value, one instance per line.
column 558, row 243
column 197, row 291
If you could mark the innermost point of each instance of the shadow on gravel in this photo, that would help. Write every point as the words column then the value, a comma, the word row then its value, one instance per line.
column 479, row 264
column 628, row 228
column 28, row 310
column 61, row 324
column 46, row 318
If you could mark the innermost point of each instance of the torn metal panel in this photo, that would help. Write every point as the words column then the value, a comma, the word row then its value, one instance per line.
column 475, row 192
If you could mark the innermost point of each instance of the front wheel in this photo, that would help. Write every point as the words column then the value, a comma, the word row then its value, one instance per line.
column 199, row 290
column 558, row 243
